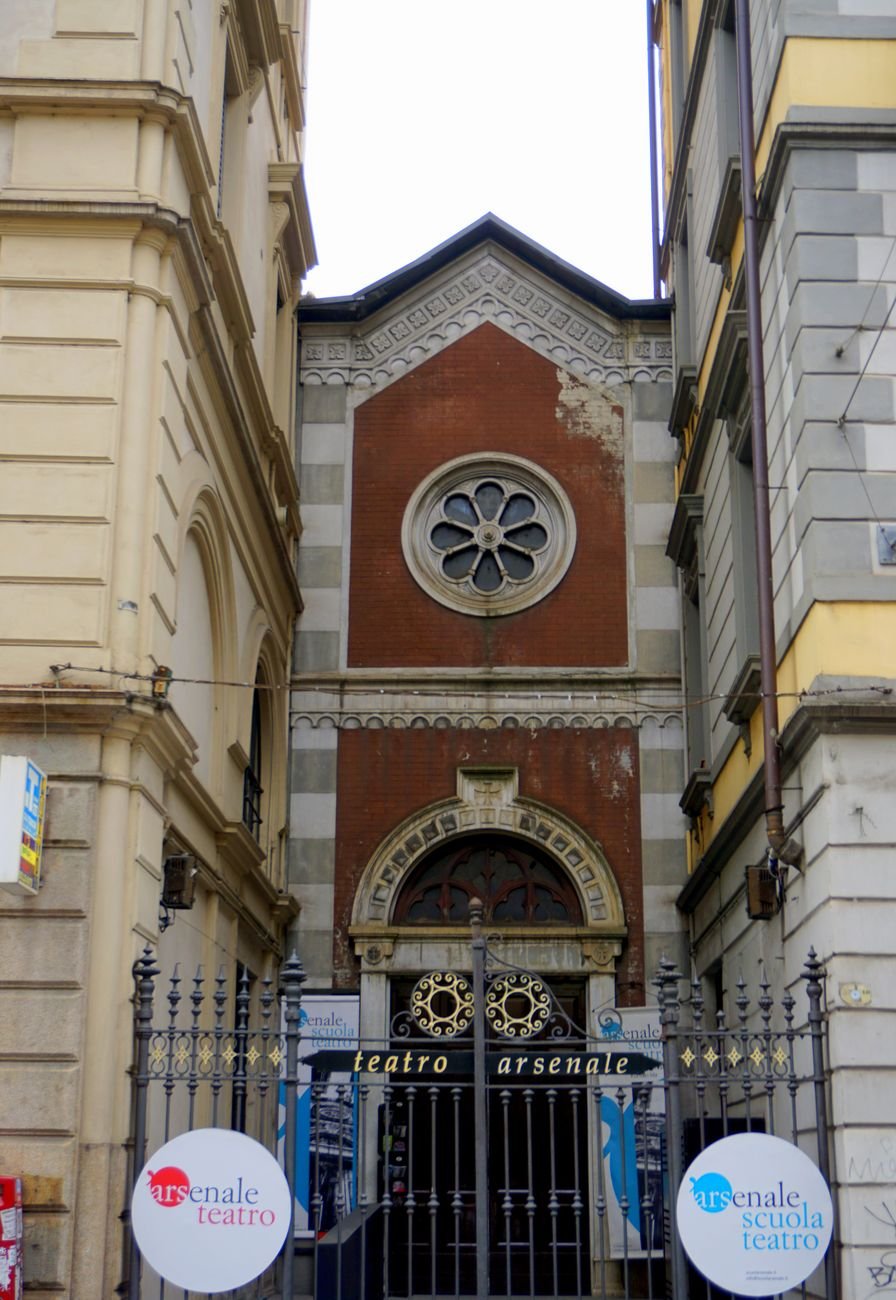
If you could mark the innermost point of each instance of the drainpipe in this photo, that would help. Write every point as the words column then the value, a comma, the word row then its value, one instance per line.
column 780, row 847
column 654, row 185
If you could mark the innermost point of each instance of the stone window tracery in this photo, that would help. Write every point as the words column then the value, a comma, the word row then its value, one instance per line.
column 516, row 885
column 489, row 534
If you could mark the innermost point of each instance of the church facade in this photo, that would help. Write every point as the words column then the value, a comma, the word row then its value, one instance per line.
column 487, row 665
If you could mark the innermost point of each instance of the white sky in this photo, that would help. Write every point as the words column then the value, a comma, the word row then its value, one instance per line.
column 425, row 114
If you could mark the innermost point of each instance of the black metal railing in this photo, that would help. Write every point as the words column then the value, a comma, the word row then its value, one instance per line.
column 488, row 1144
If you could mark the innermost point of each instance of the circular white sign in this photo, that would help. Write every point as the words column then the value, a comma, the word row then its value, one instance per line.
column 754, row 1214
column 210, row 1210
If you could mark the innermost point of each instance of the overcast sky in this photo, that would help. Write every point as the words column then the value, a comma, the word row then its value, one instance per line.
column 425, row 114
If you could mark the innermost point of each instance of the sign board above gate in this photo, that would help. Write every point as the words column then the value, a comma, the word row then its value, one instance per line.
column 210, row 1210
column 754, row 1214
column 523, row 1063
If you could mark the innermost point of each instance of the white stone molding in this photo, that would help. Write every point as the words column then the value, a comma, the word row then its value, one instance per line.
column 488, row 800
column 553, row 513
column 488, row 284
column 304, row 717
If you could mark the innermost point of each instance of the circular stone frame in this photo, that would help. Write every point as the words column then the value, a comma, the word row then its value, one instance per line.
column 423, row 512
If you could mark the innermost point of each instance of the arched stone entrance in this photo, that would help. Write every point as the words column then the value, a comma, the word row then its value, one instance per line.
column 575, row 948
column 487, row 801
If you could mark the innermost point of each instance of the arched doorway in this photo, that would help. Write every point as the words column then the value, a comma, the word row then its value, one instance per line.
column 552, row 907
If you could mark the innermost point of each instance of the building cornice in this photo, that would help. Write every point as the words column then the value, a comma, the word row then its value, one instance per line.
column 852, row 129
column 834, row 706
column 485, row 283
column 484, row 701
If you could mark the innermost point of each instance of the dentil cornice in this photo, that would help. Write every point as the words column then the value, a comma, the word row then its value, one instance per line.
column 487, row 284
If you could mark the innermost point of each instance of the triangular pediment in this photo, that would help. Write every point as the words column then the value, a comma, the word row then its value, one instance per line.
column 370, row 340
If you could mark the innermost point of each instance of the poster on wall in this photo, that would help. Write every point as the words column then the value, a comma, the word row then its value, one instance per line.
column 326, row 1117
column 632, row 1135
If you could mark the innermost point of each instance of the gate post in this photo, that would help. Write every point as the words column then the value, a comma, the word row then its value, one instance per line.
column 145, row 972
column 813, row 974
column 666, row 980
column 480, row 1108
column 292, row 977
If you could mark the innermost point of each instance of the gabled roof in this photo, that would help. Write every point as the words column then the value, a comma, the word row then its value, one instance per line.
column 358, row 306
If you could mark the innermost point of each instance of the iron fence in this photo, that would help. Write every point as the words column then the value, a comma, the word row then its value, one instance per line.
column 487, row 1144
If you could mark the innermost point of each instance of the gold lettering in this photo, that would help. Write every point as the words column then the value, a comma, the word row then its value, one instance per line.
column 520, row 1062
column 391, row 1065
column 359, row 1057
column 554, row 1067
column 622, row 1065
column 407, row 1062
column 593, row 1065
column 538, row 1065
column 570, row 1062
column 440, row 1064
column 420, row 1064
column 373, row 1064
column 504, row 1065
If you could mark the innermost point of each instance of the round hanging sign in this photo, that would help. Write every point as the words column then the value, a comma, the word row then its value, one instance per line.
column 210, row 1210
column 754, row 1214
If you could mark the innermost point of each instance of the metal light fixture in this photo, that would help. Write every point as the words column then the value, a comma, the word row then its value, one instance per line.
column 763, row 894
column 161, row 681
column 178, row 887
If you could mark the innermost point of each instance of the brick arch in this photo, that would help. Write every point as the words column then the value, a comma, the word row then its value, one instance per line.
column 488, row 801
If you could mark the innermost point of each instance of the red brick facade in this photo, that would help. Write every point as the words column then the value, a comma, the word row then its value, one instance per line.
column 591, row 776
column 486, row 392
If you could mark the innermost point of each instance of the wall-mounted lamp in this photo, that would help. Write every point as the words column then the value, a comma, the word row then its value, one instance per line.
column 178, row 887
column 161, row 681
column 763, row 894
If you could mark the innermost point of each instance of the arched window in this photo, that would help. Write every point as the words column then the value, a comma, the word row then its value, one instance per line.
column 517, row 885
column 252, row 787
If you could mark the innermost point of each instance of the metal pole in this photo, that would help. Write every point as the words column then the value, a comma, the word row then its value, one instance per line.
column 145, row 972
column 813, row 974
column 480, row 1107
column 767, row 651
column 667, row 989
column 654, row 180
column 292, row 977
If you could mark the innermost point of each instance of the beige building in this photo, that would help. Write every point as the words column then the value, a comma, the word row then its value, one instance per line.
column 153, row 235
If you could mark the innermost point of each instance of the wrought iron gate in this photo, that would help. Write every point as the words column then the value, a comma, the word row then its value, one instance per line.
column 489, row 1145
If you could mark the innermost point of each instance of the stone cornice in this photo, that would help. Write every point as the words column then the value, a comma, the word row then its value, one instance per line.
column 475, row 701
column 874, row 129
column 487, row 283
column 841, row 706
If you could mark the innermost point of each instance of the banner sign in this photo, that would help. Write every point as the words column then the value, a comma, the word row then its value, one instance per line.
column 210, row 1210
column 23, row 797
column 632, row 1134
column 326, row 1119
column 754, row 1214
column 512, row 1064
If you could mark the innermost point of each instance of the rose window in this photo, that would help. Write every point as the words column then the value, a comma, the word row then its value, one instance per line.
column 488, row 534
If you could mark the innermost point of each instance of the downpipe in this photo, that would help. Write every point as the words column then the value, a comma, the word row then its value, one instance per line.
column 782, row 850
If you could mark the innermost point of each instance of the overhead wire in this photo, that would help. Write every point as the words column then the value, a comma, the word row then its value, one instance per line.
column 343, row 688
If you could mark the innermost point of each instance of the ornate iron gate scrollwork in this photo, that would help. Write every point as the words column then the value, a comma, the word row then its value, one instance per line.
column 489, row 1144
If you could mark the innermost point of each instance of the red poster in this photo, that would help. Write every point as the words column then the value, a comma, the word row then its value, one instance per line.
column 10, row 1239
